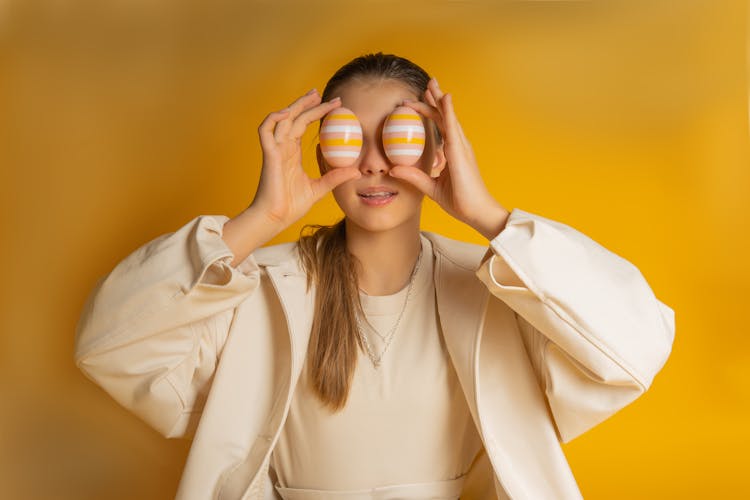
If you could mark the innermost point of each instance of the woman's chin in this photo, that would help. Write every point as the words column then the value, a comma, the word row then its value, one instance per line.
column 376, row 223
column 379, row 217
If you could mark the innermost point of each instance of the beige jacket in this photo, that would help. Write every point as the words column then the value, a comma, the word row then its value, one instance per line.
column 199, row 349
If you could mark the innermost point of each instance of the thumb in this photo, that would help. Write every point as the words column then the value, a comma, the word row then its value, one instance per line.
column 416, row 177
column 333, row 178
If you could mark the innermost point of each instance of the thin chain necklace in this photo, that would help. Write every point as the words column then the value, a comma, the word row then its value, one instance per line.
column 388, row 338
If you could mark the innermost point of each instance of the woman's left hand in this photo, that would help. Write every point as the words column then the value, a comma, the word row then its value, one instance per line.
column 459, row 189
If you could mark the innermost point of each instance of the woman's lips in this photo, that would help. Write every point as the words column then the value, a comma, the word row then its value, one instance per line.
column 377, row 197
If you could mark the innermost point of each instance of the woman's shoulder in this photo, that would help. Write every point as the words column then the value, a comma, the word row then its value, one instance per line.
column 462, row 253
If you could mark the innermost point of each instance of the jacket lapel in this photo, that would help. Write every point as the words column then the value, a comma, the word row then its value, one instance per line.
column 505, row 400
column 461, row 300
column 298, row 305
column 289, row 282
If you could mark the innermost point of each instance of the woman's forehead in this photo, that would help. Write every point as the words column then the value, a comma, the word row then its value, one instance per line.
column 374, row 99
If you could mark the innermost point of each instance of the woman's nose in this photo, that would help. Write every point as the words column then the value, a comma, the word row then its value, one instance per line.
column 373, row 160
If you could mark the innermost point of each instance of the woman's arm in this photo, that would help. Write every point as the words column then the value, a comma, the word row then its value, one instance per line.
column 595, row 333
column 152, row 330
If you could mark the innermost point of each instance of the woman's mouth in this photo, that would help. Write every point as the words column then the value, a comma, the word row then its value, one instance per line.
column 377, row 198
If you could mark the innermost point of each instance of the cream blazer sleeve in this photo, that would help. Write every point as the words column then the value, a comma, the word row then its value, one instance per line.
column 152, row 329
column 595, row 333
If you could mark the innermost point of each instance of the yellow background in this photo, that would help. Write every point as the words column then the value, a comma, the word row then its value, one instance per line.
column 122, row 120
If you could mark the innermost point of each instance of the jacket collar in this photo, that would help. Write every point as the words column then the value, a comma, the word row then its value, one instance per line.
column 461, row 300
column 285, row 257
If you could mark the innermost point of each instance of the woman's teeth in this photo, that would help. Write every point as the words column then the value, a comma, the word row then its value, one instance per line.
column 377, row 195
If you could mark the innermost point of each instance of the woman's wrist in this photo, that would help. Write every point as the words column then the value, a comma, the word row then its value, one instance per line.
column 248, row 231
column 491, row 221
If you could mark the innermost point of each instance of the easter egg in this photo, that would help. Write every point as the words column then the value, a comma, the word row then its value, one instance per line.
column 340, row 137
column 403, row 136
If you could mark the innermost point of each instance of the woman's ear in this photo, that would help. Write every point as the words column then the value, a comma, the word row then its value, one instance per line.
column 438, row 164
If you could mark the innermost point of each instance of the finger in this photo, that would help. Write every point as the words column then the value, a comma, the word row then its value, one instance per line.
column 312, row 98
column 267, row 126
column 303, row 102
column 434, row 88
column 425, row 109
column 429, row 98
column 461, row 132
column 452, row 134
column 428, row 111
column 449, row 114
column 334, row 177
column 451, row 111
column 416, row 178
column 311, row 115
column 434, row 95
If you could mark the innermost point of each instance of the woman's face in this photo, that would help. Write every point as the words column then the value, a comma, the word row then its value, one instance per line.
column 372, row 101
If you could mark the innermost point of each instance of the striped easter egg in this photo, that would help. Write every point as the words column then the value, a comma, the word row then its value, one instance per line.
column 340, row 137
column 403, row 136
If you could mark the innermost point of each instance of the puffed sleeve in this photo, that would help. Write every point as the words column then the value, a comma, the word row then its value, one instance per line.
column 595, row 333
column 151, row 331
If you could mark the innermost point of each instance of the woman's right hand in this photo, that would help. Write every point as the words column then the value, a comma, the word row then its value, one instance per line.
column 285, row 191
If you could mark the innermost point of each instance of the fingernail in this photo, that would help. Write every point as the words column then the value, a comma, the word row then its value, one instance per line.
column 436, row 82
column 312, row 91
column 335, row 99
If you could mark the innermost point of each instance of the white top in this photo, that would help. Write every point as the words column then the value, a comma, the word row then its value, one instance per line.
column 411, row 407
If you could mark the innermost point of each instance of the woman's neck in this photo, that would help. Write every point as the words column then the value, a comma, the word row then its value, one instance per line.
column 387, row 258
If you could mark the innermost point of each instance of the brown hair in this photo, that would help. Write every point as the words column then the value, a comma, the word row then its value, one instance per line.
column 334, row 338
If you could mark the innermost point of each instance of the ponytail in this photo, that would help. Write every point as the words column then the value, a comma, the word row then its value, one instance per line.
column 334, row 339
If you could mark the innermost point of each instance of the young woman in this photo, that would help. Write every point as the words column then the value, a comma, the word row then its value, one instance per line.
column 371, row 359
